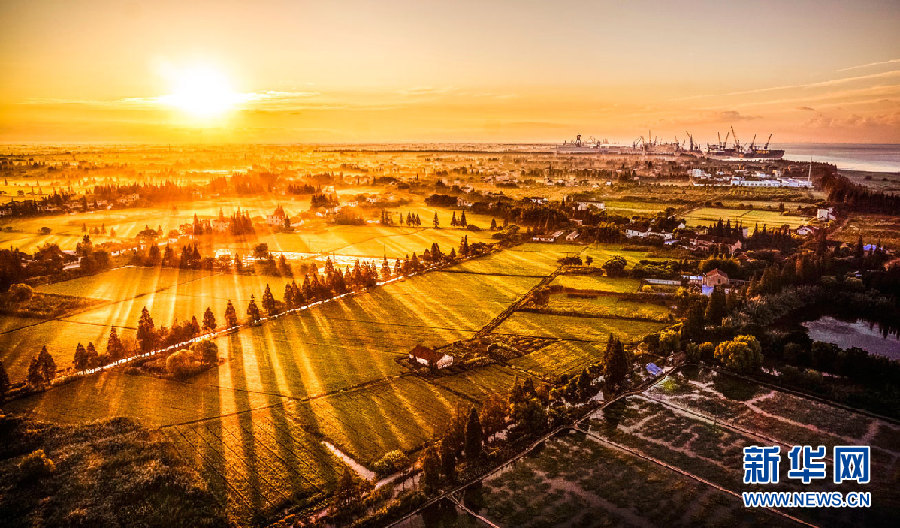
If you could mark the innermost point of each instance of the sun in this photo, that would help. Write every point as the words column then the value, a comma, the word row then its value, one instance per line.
column 201, row 92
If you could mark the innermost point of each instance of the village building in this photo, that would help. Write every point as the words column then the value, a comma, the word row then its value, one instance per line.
column 429, row 357
column 715, row 278
column 277, row 218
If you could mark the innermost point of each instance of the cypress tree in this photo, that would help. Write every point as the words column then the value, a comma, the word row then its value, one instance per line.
column 231, row 319
column 209, row 320
column 473, row 437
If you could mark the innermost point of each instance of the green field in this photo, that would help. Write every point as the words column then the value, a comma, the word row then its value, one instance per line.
column 578, row 328
column 561, row 357
column 749, row 218
column 609, row 306
column 599, row 282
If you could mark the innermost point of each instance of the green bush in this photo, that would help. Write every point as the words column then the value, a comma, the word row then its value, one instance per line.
column 391, row 462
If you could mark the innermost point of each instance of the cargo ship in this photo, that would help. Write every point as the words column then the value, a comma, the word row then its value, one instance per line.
column 591, row 146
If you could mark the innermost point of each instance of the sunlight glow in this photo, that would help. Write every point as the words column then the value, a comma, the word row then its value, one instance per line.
column 201, row 92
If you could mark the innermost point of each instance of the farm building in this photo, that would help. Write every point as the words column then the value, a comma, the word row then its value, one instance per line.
column 430, row 357
column 715, row 278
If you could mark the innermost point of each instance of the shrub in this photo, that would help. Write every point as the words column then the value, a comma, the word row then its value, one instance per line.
column 206, row 352
column 36, row 465
column 20, row 293
column 180, row 364
column 742, row 354
column 391, row 462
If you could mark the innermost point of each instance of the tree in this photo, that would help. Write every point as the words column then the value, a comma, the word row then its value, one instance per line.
column 431, row 469
column 114, row 348
column 206, row 351
column 436, row 221
column 80, row 360
column 448, row 460
column 146, row 333
column 616, row 365
column 209, row 320
column 346, row 495
column 715, row 309
column 4, row 382
column 493, row 224
column 231, row 319
column 473, row 437
column 669, row 342
column 615, row 266
column 253, row 311
column 462, row 220
column 742, row 354
column 493, row 416
column 41, row 371
column 268, row 301
column 93, row 360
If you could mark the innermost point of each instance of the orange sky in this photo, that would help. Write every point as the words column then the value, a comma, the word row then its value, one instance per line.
column 98, row 71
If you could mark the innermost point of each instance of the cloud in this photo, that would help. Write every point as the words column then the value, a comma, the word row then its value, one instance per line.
column 819, row 84
column 732, row 115
column 869, row 65
column 806, row 108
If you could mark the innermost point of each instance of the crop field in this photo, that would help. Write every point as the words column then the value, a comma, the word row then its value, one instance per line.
column 575, row 480
column 477, row 384
column 526, row 259
column 873, row 229
column 705, row 216
column 150, row 400
column 259, row 462
column 560, row 357
column 394, row 414
column 123, row 283
column 599, row 283
column 609, row 306
column 18, row 346
column 369, row 241
column 578, row 328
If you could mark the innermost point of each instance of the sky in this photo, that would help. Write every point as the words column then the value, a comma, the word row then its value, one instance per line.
column 472, row 71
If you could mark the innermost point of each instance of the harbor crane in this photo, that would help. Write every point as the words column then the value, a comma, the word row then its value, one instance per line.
column 753, row 142
column 767, row 141
column 691, row 140
column 737, row 144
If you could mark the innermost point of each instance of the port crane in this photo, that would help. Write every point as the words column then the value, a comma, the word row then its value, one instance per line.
column 737, row 144
column 767, row 141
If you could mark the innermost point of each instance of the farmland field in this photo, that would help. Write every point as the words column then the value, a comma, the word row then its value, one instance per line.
column 675, row 453
column 705, row 216
column 578, row 328
column 608, row 306
column 598, row 282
